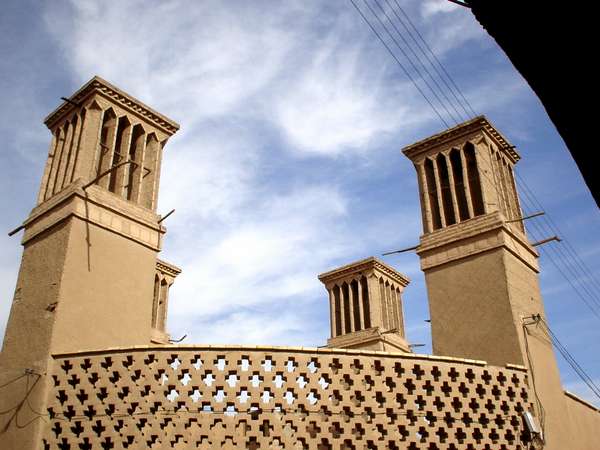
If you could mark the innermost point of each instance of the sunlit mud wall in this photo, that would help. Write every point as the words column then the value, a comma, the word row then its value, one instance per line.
column 253, row 397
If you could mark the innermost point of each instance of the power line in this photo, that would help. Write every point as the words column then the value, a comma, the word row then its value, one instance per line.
column 579, row 291
column 460, row 118
column 572, row 253
column 435, row 58
column 399, row 63
column 570, row 359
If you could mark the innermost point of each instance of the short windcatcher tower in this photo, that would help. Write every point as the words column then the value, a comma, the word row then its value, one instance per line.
column 365, row 304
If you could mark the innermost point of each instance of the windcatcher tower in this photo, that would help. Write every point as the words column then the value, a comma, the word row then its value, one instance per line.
column 480, row 269
column 89, row 275
column 365, row 304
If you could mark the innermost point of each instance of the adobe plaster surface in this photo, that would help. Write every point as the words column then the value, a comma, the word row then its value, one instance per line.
column 87, row 362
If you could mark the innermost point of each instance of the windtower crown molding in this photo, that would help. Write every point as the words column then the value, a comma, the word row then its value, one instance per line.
column 98, row 85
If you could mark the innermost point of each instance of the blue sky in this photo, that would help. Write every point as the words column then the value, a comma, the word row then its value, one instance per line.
column 288, row 159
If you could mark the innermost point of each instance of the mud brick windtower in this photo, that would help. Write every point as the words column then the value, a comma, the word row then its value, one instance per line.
column 365, row 304
column 480, row 269
column 89, row 276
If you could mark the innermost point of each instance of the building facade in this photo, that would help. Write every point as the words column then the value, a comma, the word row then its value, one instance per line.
column 87, row 362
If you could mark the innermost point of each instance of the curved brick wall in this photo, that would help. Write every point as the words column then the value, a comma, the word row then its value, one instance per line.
column 185, row 397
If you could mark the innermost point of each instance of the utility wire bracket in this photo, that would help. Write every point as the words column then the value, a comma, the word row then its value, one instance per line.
column 401, row 251
column 537, row 214
column 70, row 101
column 545, row 241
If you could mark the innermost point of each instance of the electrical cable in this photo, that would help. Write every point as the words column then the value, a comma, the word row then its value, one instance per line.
column 399, row 63
column 414, row 66
column 439, row 73
column 576, row 289
column 570, row 359
column 532, row 372
column 556, row 230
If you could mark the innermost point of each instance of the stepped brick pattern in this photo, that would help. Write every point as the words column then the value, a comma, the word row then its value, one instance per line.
column 235, row 397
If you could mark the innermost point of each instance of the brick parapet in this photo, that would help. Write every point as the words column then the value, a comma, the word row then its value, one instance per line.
column 285, row 397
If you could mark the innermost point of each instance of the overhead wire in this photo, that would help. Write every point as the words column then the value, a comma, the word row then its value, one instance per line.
column 414, row 66
column 570, row 359
column 581, row 291
column 445, row 79
column 406, row 72
column 586, row 295
column 553, row 227
column 568, row 256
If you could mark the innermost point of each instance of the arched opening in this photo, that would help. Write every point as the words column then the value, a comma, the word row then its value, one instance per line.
column 474, row 181
column 356, row 305
column 436, row 220
column 115, row 178
column 61, row 163
column 338, row 311
column 347, row 316
column 162, row 305
column 384, row 307
column 151, row 155
column 134, row 170
column 58, row 142
column 155, row 301
column 70, row 151
column 513, row 189
column 77, row 145
column 365, row 299
column 448, row 206
column 459, row 184
column 107, row 136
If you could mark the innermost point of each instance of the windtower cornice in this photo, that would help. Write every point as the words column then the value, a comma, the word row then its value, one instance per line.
column 479, row 123
column 98, row 85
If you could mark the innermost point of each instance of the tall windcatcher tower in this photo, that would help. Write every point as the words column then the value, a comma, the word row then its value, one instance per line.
column 480, row 269
column 89, row 275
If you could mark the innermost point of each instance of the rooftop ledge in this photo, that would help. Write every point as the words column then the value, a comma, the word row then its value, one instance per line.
column 100, row 85
column 477, row 123
column 266, row 348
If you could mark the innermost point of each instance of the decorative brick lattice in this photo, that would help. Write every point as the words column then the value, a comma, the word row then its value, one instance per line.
column 235, row 397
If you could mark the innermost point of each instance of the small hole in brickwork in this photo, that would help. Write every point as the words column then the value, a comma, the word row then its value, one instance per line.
column 278, row 381
column 208, row 379
column 301, row 381
column 185, row 379
column 313, row 365
column 107, row 444
column 196, row 362
column 267, row 364
column 220, row 395
column 243, row 396
column 256, row 380
column 289, row 397
column 290, row 365
column 244, row 363
column 220, row 363
column 196, row 395
column 323, row 382
column 128, row 361
column 232, row 380
column 107, row 363
column 174, row 362
column 335, row 365
column 90, row 412
column 312, row 397
column 266, row 396
column 77, row 429
column 172, row 395
column 114, row 377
